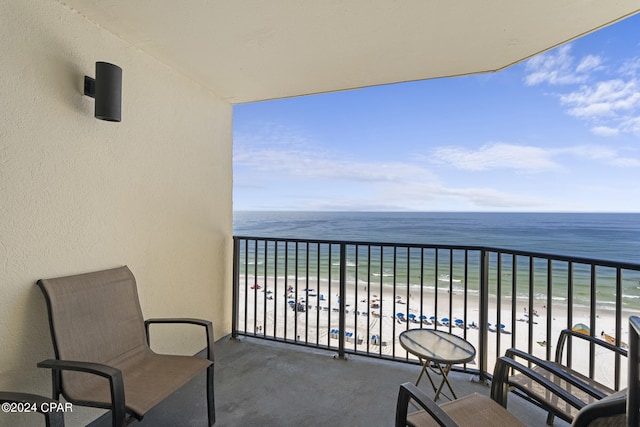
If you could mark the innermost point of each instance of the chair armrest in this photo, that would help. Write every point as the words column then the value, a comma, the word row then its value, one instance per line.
column 557, row 371
column 200, row 322
column 409, row 391
column 114, row 375
column 607, row 407
column 40, row 404
column 500, row 384
column 569, row 333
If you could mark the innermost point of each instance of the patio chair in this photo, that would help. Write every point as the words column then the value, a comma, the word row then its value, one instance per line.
column 33, row 403
column 101, row 345
column 472, row 410
column 479, row 410
column 581, row 386
column 610, row 411
column 607, row 412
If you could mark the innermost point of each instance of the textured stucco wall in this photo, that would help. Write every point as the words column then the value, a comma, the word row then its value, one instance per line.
column 79, row 194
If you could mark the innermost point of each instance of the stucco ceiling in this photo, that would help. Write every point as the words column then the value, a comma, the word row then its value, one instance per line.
column 249, row 50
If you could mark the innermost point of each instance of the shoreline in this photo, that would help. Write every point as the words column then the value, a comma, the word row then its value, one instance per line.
column 603, row 303
column 376, row 313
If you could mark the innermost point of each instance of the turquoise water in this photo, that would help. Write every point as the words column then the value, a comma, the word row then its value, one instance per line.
column 602, row 236
column 613, row 237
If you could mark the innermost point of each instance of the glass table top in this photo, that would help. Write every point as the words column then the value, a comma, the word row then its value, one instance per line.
column 437, row 346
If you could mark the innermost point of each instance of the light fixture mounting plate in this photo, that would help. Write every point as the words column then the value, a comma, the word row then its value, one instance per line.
column 89, row 86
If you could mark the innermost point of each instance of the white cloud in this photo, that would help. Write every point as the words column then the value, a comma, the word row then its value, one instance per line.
column 477, row 197
column 625, row 162
column 496, row 156
column 318, row 165
column 612, row 107
column 422, row 196
column 491, row 198
column 630, row 67
column 376, row 185
column 608, row 104
column 298, row 157
column 605, row 98
column 603, row 154
column 605, row 131
column 631, row 123
column 594, row 152
column 530, row 159
column 557, row 68
column 303, row 176
column 589, row 63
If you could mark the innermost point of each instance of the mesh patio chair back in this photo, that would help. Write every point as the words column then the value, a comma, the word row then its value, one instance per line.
column 96, row 319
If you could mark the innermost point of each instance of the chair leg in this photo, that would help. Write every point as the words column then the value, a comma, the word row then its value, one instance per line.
column 550, row 418
column 210, row 397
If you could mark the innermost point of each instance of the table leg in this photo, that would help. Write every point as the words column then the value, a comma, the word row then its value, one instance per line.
column 445, row 379
column 425, row 366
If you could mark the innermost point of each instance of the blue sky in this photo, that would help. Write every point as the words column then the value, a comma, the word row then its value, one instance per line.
column 557, row 133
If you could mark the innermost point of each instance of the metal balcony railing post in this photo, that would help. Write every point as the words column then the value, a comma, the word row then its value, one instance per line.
column 592, row 347
column 618, row 325
column 236, row 287
column 484, row 313
column 342, row 303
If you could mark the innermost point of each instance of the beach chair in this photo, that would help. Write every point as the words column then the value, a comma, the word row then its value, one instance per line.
column 26, row 402
column 101, row 344
column 586, row 389
column 476, row 409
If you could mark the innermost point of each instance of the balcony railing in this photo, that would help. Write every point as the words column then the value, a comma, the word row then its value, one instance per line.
column 356, row 298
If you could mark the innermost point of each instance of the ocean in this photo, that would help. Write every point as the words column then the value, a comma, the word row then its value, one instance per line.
column 614, row 237
column 601, row 236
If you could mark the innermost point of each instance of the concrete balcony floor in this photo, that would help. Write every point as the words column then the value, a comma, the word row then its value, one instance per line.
column 263, row 383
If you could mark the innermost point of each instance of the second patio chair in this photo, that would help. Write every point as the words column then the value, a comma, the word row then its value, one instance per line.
column 587, row 389
column 102, row 352
column 478, row 409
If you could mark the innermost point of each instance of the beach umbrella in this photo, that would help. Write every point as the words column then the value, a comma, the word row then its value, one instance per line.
column 581, row 328
column 459, row 321
column 412, row 316
column 432, row 318
column 445, row 319
column 400, row 314
column 423, row 317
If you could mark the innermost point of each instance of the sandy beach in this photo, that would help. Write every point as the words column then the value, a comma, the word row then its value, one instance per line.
column 376, row 316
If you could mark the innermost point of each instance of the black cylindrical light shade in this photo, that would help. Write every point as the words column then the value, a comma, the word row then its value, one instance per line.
column 108, row 91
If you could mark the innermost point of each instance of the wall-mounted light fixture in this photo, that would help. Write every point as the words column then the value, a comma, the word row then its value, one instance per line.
column 106, row 88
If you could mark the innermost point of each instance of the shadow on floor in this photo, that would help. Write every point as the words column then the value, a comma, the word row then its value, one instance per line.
column 262, row 383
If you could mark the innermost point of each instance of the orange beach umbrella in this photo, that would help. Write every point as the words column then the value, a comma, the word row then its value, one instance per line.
column 581, row 328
